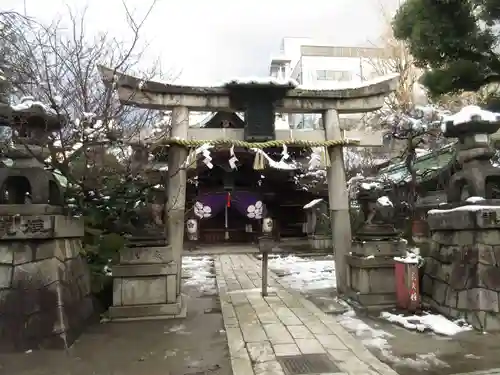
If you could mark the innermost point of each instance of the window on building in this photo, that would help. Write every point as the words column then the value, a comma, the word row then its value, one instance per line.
column 333, row 75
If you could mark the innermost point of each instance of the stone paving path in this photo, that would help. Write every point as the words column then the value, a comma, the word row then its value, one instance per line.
column 283, row 324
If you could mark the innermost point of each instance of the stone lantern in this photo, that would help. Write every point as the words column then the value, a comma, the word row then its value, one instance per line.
column 26, row 180
column 461, row 276
column 370, row 273
column 43, row 276
column 478, row 178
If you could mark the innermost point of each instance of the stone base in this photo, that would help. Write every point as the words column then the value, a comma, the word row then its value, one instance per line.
column 45, row 299
column 383, row 248
column 318, row 242
column 145, row 284
column 149, row 312
column 461, row 277
column 371, row 281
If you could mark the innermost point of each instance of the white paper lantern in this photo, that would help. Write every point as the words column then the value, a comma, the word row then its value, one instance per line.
column 267, row 225
column 192, row 226
column 192, row 229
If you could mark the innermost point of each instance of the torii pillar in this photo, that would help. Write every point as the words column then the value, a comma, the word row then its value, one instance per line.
column 330, row 103
column 338, row 200
column 176, row 187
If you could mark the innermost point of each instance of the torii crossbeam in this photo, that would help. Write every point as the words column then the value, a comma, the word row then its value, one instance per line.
column 330, row 103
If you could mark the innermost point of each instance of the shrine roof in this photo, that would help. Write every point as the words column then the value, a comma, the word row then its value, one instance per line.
column 427, row 166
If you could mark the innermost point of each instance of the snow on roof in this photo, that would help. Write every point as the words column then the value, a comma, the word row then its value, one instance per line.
column 470, row 113
column 371, row 185
column 421, row 152
column 262, row 81
column 385, row 201
column 29, row 102
column 431, row 161
column 313, row 203
column 470, row 208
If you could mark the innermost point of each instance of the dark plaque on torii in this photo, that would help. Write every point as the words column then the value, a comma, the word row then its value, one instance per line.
column 257, row 100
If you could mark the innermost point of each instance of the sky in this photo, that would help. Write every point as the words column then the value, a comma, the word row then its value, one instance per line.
column 214, row 40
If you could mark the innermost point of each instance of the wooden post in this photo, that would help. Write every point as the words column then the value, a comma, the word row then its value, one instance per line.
column 338, row 200
column 265, row 266
column 176, row 188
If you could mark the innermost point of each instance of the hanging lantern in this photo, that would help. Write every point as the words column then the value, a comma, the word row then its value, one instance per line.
column 192, row 229
column 267, row 225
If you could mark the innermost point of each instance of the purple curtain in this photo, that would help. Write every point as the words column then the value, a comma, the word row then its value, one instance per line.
column 248, row 204
column 210, row 204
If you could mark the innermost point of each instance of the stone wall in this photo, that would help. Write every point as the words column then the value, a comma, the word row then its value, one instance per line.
column 145, row 284
column 462, row 268
column 45, row 296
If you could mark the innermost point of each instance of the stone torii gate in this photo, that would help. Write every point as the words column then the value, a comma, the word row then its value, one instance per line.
column 277, row 98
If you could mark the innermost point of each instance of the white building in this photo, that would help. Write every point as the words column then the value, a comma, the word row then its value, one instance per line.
column 317, row 64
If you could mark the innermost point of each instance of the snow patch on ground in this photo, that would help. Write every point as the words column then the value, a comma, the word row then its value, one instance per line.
column 428, row 322
column 370, row 336
column 305, row 274
column 377, row 339
column 179, row 329
column 200, row 274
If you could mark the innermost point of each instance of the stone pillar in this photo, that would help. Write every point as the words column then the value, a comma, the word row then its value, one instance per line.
column 176, row 188
column 338, row 200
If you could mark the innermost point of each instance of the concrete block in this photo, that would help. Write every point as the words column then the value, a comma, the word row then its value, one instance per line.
column 371, row 281
column 68, row 227
column 5, row 276
column 117, row 292
column 155, row 311
column 136, row 270
column 378, row 248
column 171, row 288
column 6, row 254
column 146, row 255
column 144, row 290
